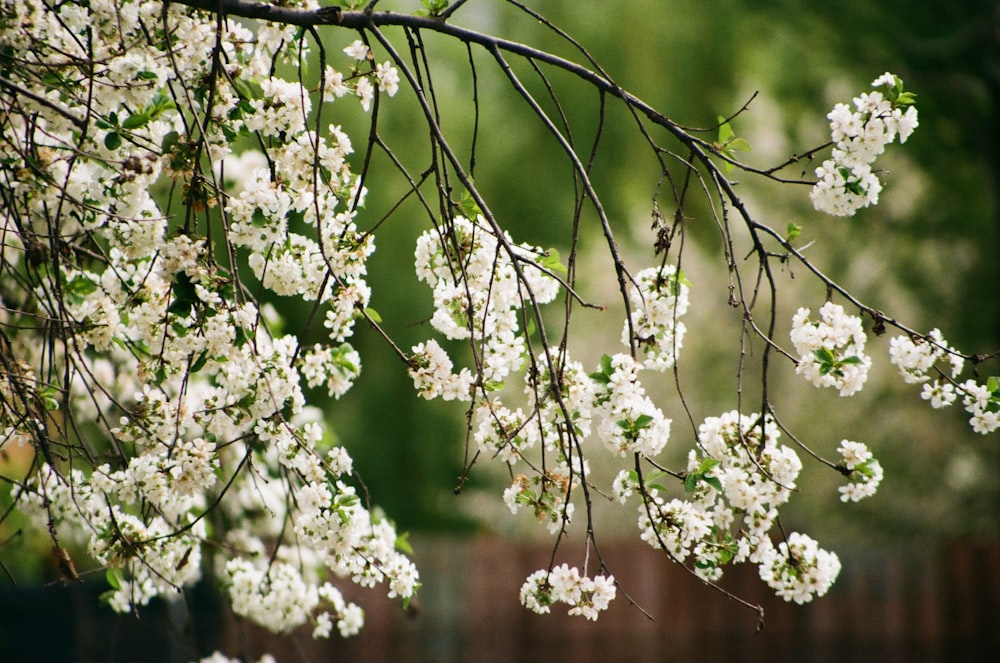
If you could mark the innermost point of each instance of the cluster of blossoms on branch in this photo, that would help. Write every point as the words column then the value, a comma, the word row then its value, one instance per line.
column 735, row 482
column 931, row 361
column 832, row 349
column 847, row 182
column 734, row 485
column 832, row 354
column 165, row 410
column 564, row 584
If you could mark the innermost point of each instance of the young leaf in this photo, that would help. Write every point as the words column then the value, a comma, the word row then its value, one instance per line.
column 114, row 578
column 738, row 144
column 550, row 261
column 643, row 421
column 606, row 365
column 793, row 230
column 690, row 482
column 402, row 543
column 725, row 132
column 707, row 465
column 600, row 377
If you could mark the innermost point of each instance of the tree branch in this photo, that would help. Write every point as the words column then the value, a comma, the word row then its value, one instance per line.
column 363, row 20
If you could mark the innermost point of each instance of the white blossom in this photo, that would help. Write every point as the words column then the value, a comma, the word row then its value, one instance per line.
column 798, row 570
column 847, row 182
column 832, row 350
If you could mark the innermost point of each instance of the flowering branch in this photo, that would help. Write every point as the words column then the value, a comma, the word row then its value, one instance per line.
column 164, row 405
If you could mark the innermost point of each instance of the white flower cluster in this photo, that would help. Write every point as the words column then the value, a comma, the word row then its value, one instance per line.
column 846, row 180
column 479, row 291
column 935, row 364
column 630, row 423
column 278, row 595
column 168, row 370
column 798, row 569
column 658, row 297
column 358, row 83
column 832, row 350
column 982, row 401
column 735, row 487
column 509, row 435
column 547, row 495
column 149, row 556
column 219, row 657
column 564, row 584
column 915, row 358
column 480, row 283
column 864, row 472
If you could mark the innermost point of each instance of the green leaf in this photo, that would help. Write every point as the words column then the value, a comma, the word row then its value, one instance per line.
column 373, row 314
column 115, row 578
column 725, row 131
column 347, row 500
column 824, row 356
column 242, row 336
column 606, row 365
column 531, row 328
column 81, row 286
column 49, row 396
column 146, row 76
column 707, row 465
column 643, row 421
column 113, row 140
column 248, row 89
column 600, row 377
column 713, row 482
column 468, row 206
column 161, row 104
column 402, row 543
column 550, row 261
column 793, row 230
column 200, row 362
column 135, row 121
column 690, row 482
column 184, row 295
column 170, row 140
column 435, row 7
column 738, row 144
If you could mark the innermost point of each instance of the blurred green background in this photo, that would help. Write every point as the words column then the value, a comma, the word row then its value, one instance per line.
column 927, row 254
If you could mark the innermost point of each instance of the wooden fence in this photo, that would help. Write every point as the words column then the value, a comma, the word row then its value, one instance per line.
column 886, row 607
